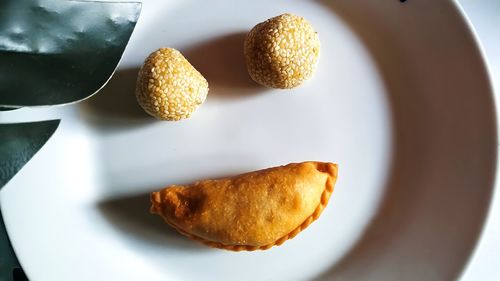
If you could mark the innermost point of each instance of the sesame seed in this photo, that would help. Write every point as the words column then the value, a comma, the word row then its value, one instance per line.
column 168, row 87
column 282, row 52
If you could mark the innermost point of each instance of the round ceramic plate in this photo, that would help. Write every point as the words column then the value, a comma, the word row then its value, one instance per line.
column 401, row 101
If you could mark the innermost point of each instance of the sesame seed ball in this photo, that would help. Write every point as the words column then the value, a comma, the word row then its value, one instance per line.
column 282, row 52
column 169, row 87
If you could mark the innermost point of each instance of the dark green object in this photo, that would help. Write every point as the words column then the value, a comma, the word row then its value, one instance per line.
column 51, row 52
column 58, row 52
column 8, row 108
column 18, row 143
column 10, row 270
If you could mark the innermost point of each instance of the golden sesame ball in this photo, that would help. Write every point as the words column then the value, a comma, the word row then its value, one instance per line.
column 169, row 87
column 282, row 52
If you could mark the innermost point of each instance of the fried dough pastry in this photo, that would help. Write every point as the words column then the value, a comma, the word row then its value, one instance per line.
column 251, row 211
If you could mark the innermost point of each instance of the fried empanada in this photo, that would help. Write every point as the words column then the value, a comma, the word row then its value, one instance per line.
column 251, row 211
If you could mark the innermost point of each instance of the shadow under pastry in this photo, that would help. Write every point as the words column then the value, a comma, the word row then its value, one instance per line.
column 131, row 216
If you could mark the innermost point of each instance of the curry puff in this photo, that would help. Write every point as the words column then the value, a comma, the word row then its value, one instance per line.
column 252, row 211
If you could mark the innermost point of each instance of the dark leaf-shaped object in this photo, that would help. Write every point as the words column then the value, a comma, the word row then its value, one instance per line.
column 8, row 108
column 10, row 270
column 18, row 143
column 57, row 51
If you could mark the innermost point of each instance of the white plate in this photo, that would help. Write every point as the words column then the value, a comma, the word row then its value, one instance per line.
column 401, row 101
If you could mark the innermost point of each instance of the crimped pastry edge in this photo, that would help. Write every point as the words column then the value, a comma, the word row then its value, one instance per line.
column 324, row 199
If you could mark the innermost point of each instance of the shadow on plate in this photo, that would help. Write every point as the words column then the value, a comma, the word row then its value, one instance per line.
column 115, row 105
column 443, row 167
column 220, row 60
column 131, row 216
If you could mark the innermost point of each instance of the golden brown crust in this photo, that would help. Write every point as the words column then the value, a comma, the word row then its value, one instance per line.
column 281, row 52
column 183, row 207
column 168, row 87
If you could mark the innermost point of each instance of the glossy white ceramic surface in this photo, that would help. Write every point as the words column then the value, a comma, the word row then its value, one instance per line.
column 401, row 101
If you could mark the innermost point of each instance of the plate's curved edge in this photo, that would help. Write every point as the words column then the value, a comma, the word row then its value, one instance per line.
column 22, row 144
column 8, row 108
column 480, row 59
column 480, row 48
column 10, row 262
column 494, row 110
column 9, row 266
